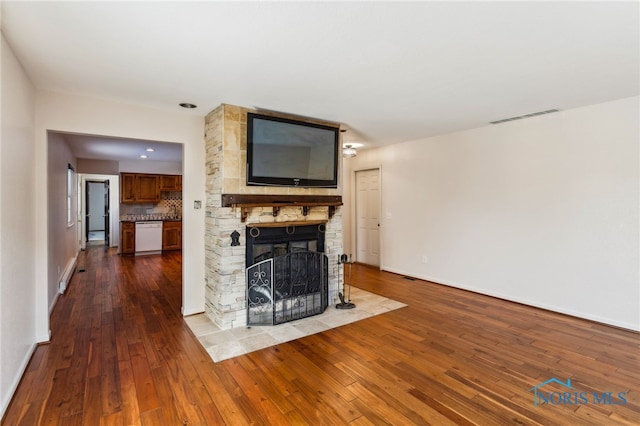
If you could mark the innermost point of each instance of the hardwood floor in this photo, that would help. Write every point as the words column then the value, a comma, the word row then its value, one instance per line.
column 121, row 354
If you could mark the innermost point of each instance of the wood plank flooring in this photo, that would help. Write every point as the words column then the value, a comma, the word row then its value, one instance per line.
column 121, row 354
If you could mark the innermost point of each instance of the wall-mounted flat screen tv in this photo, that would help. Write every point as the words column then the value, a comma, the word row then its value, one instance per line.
column 285, row 152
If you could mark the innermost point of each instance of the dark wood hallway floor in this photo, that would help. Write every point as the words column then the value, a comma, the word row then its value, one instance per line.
column 121, row 354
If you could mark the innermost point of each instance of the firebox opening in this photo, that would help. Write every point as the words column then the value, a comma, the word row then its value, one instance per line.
column 269, row 242
column 287, row 274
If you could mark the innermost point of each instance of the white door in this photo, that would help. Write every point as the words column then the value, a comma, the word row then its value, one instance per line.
column 368, row 216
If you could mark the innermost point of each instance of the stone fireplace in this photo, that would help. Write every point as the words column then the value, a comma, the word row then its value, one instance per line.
column 234, row 209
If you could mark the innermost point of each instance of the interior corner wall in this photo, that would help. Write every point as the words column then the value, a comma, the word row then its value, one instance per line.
column 542, row 211
column 57, row 112
column 17, row 235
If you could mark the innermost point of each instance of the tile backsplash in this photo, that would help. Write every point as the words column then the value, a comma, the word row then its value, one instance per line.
column 165, row 208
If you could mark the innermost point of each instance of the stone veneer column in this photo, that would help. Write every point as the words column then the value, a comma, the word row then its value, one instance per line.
column 225, row 160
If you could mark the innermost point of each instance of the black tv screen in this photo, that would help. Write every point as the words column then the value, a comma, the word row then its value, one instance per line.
column 285, row 152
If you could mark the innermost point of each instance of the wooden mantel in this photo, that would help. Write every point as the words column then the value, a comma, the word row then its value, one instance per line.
column 247, row 201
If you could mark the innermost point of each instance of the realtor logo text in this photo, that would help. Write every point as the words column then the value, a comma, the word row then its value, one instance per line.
column 569, row 396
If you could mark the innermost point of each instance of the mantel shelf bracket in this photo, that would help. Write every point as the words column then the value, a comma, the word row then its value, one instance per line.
column 332, row 211
column 246, row 202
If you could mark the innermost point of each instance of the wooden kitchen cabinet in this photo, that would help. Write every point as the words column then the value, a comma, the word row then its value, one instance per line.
column 148, row 188
column 172, row 235
column 170, row 182
column 127, row 238
column 127, row 188
column 139, row 188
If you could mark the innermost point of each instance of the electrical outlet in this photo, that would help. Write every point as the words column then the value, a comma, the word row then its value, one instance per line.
column 424, row 259
column 197, row 204
column 389, row 216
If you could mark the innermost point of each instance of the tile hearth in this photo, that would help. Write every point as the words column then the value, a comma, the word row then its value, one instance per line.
column 225, row 344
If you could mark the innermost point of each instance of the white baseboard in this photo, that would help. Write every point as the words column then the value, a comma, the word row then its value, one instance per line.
column 53, row 302
column 67, row 274
column 189, row 312
column 532, row 303
column 16, row 380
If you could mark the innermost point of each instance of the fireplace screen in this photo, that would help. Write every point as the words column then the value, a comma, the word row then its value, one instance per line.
column 287, row 287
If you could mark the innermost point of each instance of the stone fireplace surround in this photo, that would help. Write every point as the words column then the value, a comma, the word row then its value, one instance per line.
column 225, row 164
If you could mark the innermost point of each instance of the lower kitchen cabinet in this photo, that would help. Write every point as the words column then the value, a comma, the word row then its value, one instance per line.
column 127, row 238
column 172, row 235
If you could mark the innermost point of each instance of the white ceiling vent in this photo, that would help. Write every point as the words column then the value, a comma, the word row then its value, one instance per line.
column 533, row 114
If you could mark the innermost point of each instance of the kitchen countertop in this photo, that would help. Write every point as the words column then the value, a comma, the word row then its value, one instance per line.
column 151, row 220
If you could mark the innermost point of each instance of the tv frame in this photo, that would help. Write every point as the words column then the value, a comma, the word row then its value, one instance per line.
column 296, row 182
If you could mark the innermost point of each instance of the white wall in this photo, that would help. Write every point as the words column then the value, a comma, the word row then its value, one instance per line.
column 17, row 234
column 63, row 245
column 106, row 167
column 542, row 211
column 101, row 167
column 157, row 167
column 76, row 114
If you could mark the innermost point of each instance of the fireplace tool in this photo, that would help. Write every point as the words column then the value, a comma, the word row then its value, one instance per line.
column 342, row 260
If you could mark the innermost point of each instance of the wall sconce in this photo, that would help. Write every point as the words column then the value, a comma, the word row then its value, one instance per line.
column 349, row 151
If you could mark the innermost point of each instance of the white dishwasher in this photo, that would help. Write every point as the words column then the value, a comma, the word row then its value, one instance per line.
column 149, row 237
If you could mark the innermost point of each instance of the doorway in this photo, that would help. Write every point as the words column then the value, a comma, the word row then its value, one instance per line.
column 368, row 216
column 97, row 213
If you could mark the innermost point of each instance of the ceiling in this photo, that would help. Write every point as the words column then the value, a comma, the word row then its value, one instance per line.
column 119, row 149
column 388, row 71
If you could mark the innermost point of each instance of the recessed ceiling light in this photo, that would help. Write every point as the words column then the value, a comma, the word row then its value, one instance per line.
column 149, row 149
column 353, row 144
column 143, row 156
column 188, row 105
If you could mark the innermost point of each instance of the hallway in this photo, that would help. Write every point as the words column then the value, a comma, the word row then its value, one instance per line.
column 110, row 330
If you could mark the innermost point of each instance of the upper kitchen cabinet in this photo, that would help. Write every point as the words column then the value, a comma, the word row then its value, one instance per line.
column 139, row 188
column 127, row 188
column 170, row 182
column 148, row 188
